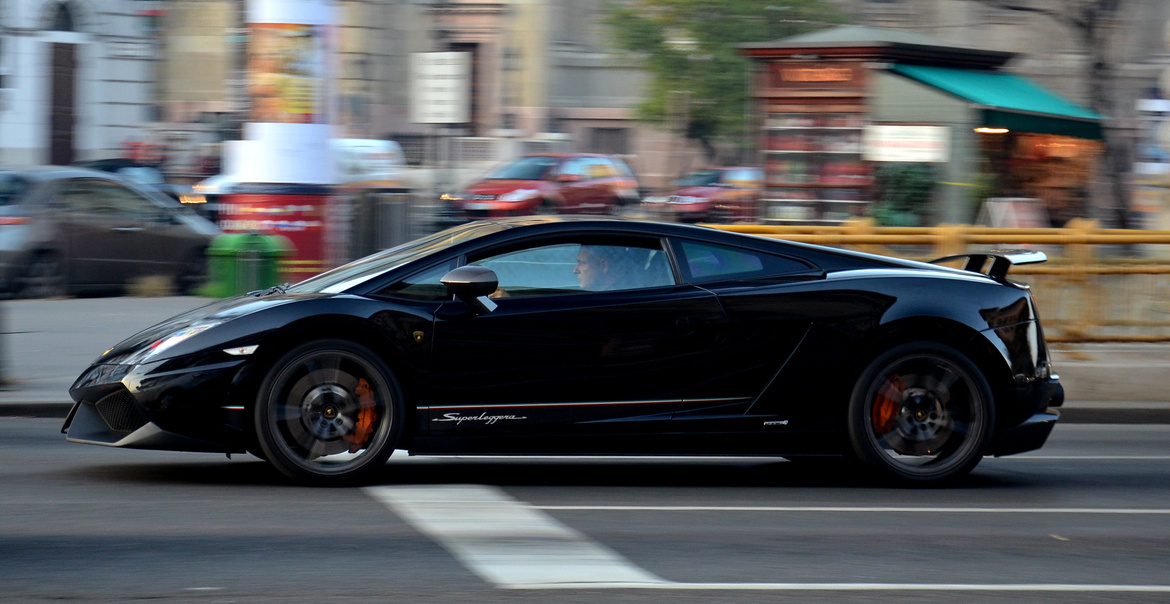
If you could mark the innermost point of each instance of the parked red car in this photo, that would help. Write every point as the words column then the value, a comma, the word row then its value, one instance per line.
column 552, row 183
column 713, row 195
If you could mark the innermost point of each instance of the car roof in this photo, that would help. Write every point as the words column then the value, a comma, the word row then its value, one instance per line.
column 43, row 173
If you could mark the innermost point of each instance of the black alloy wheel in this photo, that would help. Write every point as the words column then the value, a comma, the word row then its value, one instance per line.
column 329, row 411
column 921, row 412
column 43, row 277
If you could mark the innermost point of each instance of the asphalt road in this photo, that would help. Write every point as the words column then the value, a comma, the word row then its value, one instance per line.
column 1083, row 520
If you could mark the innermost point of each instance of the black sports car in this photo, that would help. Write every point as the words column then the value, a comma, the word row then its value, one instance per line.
column 554, row 335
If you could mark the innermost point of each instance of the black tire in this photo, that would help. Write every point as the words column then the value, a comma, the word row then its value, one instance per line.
column 192, row 274
column 43, row 277
column 311, row 406
column 922, row 413
column 546, row 208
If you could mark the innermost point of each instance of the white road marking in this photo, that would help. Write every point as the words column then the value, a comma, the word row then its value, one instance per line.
column 513, row 545
column 507, row 542
column 849, row 510
column 880, row 587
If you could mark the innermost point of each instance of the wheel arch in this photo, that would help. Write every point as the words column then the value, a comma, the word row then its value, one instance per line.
column 977, row 346
column 336, row 327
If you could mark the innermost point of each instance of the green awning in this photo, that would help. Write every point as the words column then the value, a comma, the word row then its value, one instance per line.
column 1010, row 101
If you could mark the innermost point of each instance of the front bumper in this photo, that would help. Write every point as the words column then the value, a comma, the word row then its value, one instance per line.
column 165, row 405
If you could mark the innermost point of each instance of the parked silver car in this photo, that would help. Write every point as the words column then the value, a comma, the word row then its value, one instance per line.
column 74, row 230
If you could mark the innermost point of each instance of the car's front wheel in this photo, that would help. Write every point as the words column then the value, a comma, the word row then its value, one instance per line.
column 329, row 411
column 43, row 277
column 921, row 412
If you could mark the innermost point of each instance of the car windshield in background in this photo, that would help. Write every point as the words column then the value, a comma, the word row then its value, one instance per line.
column 699, row 178
column 142, row 175
column 525, row 168
column 11, row 187
column 359, row 271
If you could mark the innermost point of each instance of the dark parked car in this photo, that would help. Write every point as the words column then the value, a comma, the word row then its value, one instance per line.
column 73, row 230
column 140, row 173
column 553, row 183
column 593, row 336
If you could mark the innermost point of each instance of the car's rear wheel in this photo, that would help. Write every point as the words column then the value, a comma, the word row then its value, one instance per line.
column 921, row 412
column 329, row 411
column 43, row 277
column 192, row 274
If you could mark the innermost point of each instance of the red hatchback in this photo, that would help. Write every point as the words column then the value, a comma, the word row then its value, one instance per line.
column 713, row 195
column 553, row 183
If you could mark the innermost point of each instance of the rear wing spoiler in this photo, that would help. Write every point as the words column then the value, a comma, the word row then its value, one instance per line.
column 1001, row 261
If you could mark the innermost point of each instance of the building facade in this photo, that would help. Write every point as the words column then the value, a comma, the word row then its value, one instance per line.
column 78, row 78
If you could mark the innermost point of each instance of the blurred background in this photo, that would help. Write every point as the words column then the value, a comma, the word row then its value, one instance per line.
column 350, row 126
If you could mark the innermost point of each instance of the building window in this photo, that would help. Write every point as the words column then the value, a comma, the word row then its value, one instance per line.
column 63, row 17
column 615, row 141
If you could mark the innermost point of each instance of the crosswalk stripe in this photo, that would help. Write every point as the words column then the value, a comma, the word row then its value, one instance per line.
column 506, row 542
column 514, row 545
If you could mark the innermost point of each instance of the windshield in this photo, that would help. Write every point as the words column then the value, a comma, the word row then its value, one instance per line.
column 143, row 175
column 359, row 271
column 12, row 187
column 699, row 178
column 531, row 167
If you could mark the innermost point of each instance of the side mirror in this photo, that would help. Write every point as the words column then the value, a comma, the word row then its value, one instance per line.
column 472, row 285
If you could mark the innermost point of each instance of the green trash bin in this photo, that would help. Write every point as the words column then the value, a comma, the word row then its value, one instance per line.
column 238, row 263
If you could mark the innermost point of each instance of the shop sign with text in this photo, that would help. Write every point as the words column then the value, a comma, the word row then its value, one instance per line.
column 912, row 144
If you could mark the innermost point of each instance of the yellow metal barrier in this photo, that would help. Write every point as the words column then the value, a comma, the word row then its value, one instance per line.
column 1099, row 285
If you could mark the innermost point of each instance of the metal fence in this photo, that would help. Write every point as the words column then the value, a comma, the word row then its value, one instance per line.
column 1099, row 285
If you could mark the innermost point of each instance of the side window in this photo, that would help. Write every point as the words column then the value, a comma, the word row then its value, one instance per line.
column 707, row 262
column 122, row 201
column 578, row 267
column 423, row 285
column 574, row 167
column 599, row 168
column 78, row 196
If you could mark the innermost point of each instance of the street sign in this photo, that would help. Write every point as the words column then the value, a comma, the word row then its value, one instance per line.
column 440, row 84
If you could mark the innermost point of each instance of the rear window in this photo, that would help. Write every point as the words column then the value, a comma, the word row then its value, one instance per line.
column 709, row 262
column 12, row 187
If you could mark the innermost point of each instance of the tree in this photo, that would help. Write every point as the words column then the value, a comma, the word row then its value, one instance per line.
column 699, row 79
column 1091, row 22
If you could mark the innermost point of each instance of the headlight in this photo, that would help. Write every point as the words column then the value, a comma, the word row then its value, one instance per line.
column 164, row 343
column 450, row 197
column 519, row 195
column 686, row 199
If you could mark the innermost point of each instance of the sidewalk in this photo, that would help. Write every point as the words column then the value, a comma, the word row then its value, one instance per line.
column 46, row 344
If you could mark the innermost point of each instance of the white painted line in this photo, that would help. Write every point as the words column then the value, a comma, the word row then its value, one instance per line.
column 507, row 542
column 514, row 545
column 880, row 587
column 851, row 510
column 1081, row 458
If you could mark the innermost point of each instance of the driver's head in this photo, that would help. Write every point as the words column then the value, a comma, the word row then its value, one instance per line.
column 597, row 267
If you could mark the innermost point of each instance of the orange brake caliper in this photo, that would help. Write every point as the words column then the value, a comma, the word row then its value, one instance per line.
column 365, row 422
column 886, row 405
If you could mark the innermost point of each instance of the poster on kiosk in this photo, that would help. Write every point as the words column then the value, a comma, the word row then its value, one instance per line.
column 283, row 165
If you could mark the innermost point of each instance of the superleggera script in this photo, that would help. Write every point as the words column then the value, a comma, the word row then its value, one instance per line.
column 482, row 417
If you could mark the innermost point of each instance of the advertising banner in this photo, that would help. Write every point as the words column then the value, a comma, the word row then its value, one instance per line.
column 285, row 73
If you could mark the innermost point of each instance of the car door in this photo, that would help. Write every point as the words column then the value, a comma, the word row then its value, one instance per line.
column 573, row 185
column 162, row 242
column 100, row 241
column 771, row 301
column 562, row 355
